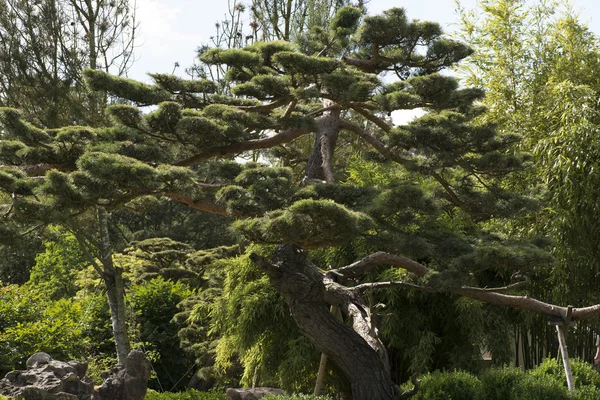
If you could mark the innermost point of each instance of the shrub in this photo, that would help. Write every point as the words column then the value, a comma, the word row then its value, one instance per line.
column 540, row 388
column 187, row 395
column 583, row 373
column 295, row 397
column 500, row 383
column 458, row 385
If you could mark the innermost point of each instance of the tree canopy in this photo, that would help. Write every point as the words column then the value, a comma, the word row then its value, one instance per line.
column 339, row 207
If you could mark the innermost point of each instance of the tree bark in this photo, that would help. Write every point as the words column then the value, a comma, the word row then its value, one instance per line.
column 115, row 290
column 301, row 284
column 320, row 162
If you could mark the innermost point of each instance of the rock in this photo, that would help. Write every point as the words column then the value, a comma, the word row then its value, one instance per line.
column 48, row 379
column 128, row 382
column 38, row 358
column 251, row 394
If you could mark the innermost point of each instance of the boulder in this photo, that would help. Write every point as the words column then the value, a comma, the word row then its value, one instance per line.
column 251, row 394
column 48, row 379
column 126, row 382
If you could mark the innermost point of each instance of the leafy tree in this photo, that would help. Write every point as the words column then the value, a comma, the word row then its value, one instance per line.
column 425, row 230
column 538, row 66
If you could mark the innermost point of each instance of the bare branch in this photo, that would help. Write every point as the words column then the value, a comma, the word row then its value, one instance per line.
column 200, row 205
column 380, row 258
column 373, row 118
column 388, row 285
column 239, row 147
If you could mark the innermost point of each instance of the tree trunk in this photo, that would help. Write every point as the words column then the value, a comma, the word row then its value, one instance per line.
column 320, row 162
column 301, row 285
column 115, row 290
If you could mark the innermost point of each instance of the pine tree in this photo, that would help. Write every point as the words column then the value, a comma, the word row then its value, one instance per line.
column 425, row 224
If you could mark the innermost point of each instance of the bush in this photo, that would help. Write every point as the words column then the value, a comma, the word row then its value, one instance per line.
column 539, row 388
column 500, row 383
column 583, row 373
column 295, row 397
column 187, row 395
column 458, row 385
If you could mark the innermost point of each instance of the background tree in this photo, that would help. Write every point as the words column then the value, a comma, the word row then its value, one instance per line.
column 537, row 64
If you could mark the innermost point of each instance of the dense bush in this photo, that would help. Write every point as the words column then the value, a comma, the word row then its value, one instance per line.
column 583, row 373
column 188, row 395
column 295, row 397
column 547, row 382
column 458, row 385
column 499, row 383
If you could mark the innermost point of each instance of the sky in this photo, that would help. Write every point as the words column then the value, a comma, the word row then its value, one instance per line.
column 170, row 30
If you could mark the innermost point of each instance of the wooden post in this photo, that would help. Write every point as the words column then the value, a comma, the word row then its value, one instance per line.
column 321, row 374
column 562, row 342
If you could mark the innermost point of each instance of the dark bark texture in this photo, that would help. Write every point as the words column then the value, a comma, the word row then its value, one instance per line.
column 301, row 284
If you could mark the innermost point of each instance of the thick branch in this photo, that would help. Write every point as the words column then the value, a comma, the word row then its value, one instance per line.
column 373, row 118
column 200, row 205
column 372, row 140
column 239, row 147
column 395, row 284
column 40, row 169
column 364, row 265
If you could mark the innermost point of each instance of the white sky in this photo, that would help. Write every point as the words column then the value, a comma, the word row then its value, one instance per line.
column 170, row 30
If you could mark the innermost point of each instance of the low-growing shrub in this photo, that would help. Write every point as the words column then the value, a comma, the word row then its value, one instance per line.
column 583, row 373
column 187, row 395
column 458, row 385
column 294, row 397
column 539, row 388
column 500, row 383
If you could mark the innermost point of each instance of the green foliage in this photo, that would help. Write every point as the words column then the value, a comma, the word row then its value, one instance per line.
column 187, row 395
column 584, row 374
column 30, row 324
column 155, row 303
column 55, row 271
column 137, row 92
column 448, row 386
column 308, row 223
column 295, row 396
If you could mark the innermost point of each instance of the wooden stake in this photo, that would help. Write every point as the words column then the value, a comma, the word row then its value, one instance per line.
column 321, row 374
column 560, row 330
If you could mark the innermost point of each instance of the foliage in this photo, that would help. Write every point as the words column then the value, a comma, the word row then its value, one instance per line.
column 155, row 303
column 448, row 385
column 584, row 374
column 187, row 395
column 439, row 205
column 32, row 323
column 55, row 270
column 295, row 397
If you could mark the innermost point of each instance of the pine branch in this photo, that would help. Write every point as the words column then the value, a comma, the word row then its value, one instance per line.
column 239, row 147
column 373, row 118
column 364, row 265
column 200, row 205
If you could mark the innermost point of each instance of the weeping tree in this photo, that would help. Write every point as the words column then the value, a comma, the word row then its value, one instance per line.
column 427, row 228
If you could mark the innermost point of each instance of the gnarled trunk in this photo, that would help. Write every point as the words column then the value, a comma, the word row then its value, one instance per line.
column 302, row 286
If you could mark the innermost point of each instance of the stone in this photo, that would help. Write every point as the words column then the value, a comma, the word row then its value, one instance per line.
column 126, row 382
column 38, row 358
column 251, row 394
column 48, row 379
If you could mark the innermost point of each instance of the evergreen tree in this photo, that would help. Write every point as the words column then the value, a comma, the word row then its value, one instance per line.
column 423, row 230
